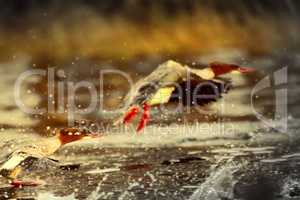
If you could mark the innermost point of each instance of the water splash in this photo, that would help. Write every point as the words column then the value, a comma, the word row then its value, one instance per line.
column 97, row 194
column 219, row 185
column 49, row 195
column 290, row 189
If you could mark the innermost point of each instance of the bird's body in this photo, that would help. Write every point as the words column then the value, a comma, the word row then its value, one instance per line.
column 173, row 81
column 26, row 155
column 163, row 77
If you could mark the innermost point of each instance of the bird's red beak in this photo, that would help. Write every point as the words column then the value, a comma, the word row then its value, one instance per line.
column 244, row 70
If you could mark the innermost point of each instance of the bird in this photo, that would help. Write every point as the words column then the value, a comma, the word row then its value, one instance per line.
column 172, row 81
column 24, row 157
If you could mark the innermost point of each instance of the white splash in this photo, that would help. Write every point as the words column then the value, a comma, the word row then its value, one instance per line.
column 219, row 185
column 49, row 195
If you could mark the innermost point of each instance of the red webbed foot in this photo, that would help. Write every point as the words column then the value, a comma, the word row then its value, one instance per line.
column 130, row 115
column 133, row 111
column 145, row 117
column 21, row 184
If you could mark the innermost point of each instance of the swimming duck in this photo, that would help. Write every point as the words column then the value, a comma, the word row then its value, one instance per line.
column 25, row 156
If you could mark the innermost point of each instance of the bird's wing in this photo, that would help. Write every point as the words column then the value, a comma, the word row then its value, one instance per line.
column 10, row 166
column 165, row 75
column 202, row 92
column 162, row 96
column 221, row 86
column 13, row 161
column 21, row 159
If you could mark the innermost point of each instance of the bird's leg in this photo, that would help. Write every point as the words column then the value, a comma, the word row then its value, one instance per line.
column 129, row 116
column 145, row 117
column 19, row 183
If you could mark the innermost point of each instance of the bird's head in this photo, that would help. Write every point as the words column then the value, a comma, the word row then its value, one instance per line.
column 68, row 135
column 223, row 68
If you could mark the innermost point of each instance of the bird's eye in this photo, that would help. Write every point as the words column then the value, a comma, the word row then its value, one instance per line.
column 70, row 133
column 76, row 133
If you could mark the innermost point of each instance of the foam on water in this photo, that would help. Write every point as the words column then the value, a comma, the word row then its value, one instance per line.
column 219, row 185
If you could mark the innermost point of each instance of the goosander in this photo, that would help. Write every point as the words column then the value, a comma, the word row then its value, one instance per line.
column 172, row 81
column 25, row 156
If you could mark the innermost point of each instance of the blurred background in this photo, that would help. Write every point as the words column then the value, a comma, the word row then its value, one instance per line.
column 78, row 38
column 82, row 37
column 126, row 29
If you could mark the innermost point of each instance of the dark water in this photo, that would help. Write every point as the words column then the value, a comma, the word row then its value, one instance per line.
column 173, row 158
